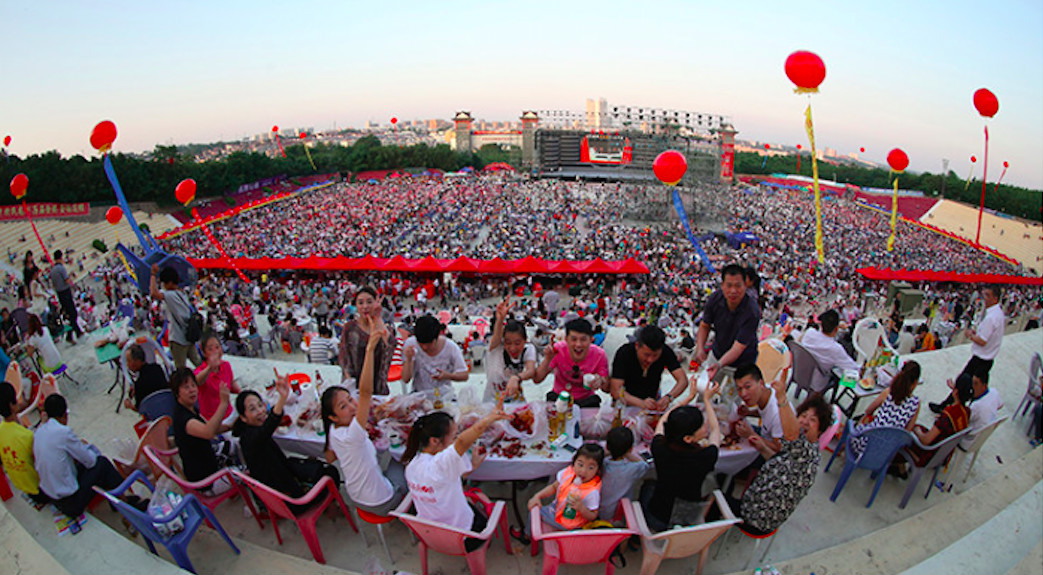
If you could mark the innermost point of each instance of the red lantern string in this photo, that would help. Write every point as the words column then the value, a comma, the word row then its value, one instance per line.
column 220, row 249
column 984, row 178
column 275, row 130
column 807, row 71
column 1004, row 173
column 898, row 161
column 799, row 147
column 19, row 187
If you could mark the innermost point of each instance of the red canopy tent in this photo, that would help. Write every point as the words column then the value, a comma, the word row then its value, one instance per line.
column 936, row 276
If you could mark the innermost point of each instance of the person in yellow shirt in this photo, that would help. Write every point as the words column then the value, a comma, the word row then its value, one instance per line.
column 16, row 447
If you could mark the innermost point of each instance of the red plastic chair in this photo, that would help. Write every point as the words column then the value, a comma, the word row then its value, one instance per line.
column 318, row 499
column 449, row 540
column 156, row 436
column 378, row 521
column 581, row 546
column 161, row 460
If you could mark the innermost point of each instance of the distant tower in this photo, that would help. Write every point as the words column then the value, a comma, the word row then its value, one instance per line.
column 727, row 133
column 462, row 120
column 529, row 121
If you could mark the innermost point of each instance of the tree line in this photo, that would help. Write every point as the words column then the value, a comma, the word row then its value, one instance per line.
column 1013, row 200
column 153, row 177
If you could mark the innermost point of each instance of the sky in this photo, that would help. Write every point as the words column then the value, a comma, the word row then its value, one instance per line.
column 898, row 74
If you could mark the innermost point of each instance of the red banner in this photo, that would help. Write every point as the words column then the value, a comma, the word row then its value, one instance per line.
column 430, row 264
column 935, row 276
column 44, row 210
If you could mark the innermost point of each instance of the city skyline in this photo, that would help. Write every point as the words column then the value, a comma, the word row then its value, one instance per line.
column 898, row 75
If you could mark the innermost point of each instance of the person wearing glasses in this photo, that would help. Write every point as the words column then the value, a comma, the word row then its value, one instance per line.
column 579, row 366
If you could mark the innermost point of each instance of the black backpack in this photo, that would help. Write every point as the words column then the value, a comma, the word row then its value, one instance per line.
column 194, row 328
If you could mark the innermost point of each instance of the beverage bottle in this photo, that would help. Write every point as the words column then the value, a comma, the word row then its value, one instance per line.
column 438, row 399
column 318, row 382
column 570, row 511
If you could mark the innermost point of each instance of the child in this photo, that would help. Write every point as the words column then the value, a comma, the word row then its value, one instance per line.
column 621, row 471
column 511, row 358
column 576, row 490
column 348, row 442
column 435, row 463
column 571, row 360
column 267, row 463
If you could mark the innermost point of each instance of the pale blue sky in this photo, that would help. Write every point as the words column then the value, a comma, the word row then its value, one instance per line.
column 898, row 73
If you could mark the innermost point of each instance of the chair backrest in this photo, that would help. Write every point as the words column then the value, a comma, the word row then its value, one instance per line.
column 1035, row 366
column 866, row 336
column 826, row 436
column 146, row 524
column 686, row 541
column 14, row 377
column 881, row 446
column 978, row 440
column 943, row 450
column 163, row 462
column 804, row 365
column 440, row 537
column 773, row 359
column 155, row 436
column 274, row 500
column 158, row 404
column 583, row 546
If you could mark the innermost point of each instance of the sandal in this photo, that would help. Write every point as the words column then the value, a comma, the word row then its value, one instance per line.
column 520, row 535
column 617, row 559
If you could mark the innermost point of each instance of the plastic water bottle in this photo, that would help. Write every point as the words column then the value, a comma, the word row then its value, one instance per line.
column 570, row 511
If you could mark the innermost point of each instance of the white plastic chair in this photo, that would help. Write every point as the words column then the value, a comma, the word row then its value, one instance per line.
column 684, row 541
column 867, row 335
column 1028, row 402
column 975, row 446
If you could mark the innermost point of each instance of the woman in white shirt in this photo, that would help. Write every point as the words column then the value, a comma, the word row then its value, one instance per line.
column 510, row 360
column 348, row 442
column 41, row 341
column 435, row 463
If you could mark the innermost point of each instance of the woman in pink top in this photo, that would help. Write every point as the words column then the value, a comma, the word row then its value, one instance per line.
column 211, row 375
column 571, row 360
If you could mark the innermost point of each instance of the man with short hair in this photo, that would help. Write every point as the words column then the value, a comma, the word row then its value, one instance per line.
column 985, row 340
column 69, row 468
column 637, row 371
column 430, row 359
column 323, row 348
column 179, row 310
column 823, row 346
column 62, row 282
column 734, row 316
column 758, row 402
column 985, row 405
column 150, row 377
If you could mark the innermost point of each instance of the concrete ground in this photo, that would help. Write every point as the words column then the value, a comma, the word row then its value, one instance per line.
column 816, row 525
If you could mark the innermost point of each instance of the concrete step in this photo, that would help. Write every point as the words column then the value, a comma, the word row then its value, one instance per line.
column 1032, row 563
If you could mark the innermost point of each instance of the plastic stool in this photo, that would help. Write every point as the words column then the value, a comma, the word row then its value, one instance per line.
column 379, row 521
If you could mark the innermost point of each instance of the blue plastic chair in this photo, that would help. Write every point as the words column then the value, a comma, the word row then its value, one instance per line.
column 176, row 544
column 882, row 445
column 157, row 404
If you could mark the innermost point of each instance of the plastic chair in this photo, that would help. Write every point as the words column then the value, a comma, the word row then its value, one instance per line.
column 942, row 451
column 13, row 375
column 867, row 335
column 318, row 499
column 1028, row 402
column 378, row 521
column 827, row 436
column 449, row 540
column 63, row 371
column 883, row 443
column 805, row 366
column 581, row 546
column 161, row 461
column 192, row 514
column 157, row 404
column 47, row 387
column 156, row 436
column 774, row 360
column 124, row 311
column 974, row 447
column 682, row 542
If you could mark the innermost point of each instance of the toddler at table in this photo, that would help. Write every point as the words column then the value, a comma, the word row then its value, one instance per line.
column 576, row 490
column 622, row 470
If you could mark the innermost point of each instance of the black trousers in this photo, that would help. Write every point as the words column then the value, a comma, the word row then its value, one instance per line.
column 975, row 365
column 69, row 309
column 103, row 474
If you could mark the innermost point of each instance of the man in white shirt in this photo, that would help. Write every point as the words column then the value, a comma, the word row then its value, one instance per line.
column 757, row 403
column 985, row 340
column 985, row 406
column 823, row 346
column 430, row 358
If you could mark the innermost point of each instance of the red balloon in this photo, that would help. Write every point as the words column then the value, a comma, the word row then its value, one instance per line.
column 974, row 159
column 103, row 135
column 7, row 140
column 670, row 167
column 799, row 147
column 185, row 191
column 806, row 70
column 897, row 159
column 113, row 215
column 986, row 103
column 304, row 135
column 19, row 184
column 863, row 150
column 394, row 120
column 275, row 128
column 1006, row 165
column 767, row 147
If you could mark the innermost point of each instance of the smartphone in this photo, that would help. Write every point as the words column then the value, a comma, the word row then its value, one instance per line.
column 646, row 455
column 569, row 447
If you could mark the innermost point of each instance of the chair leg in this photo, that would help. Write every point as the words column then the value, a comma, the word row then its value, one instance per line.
column 721, row 543
column 311, row 537
column 954, row 465
column 180, row 555
column 505, row 532
column 913, row 482
column 749, row 561
column 934, row 480
column 844, row 475
column 423, row 558
column 476, row 560
column 876, row 487
column 768, row 548
column 650, row 561
column 550, row 564
column 380, row 533
column 702, row 562
column 970, row 467
column 247, row 497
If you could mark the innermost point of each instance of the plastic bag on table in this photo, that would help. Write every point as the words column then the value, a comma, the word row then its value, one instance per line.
column 125, row 448
column 533, row 416
column 641, row 427
column 597, row 426
column 467, row 400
